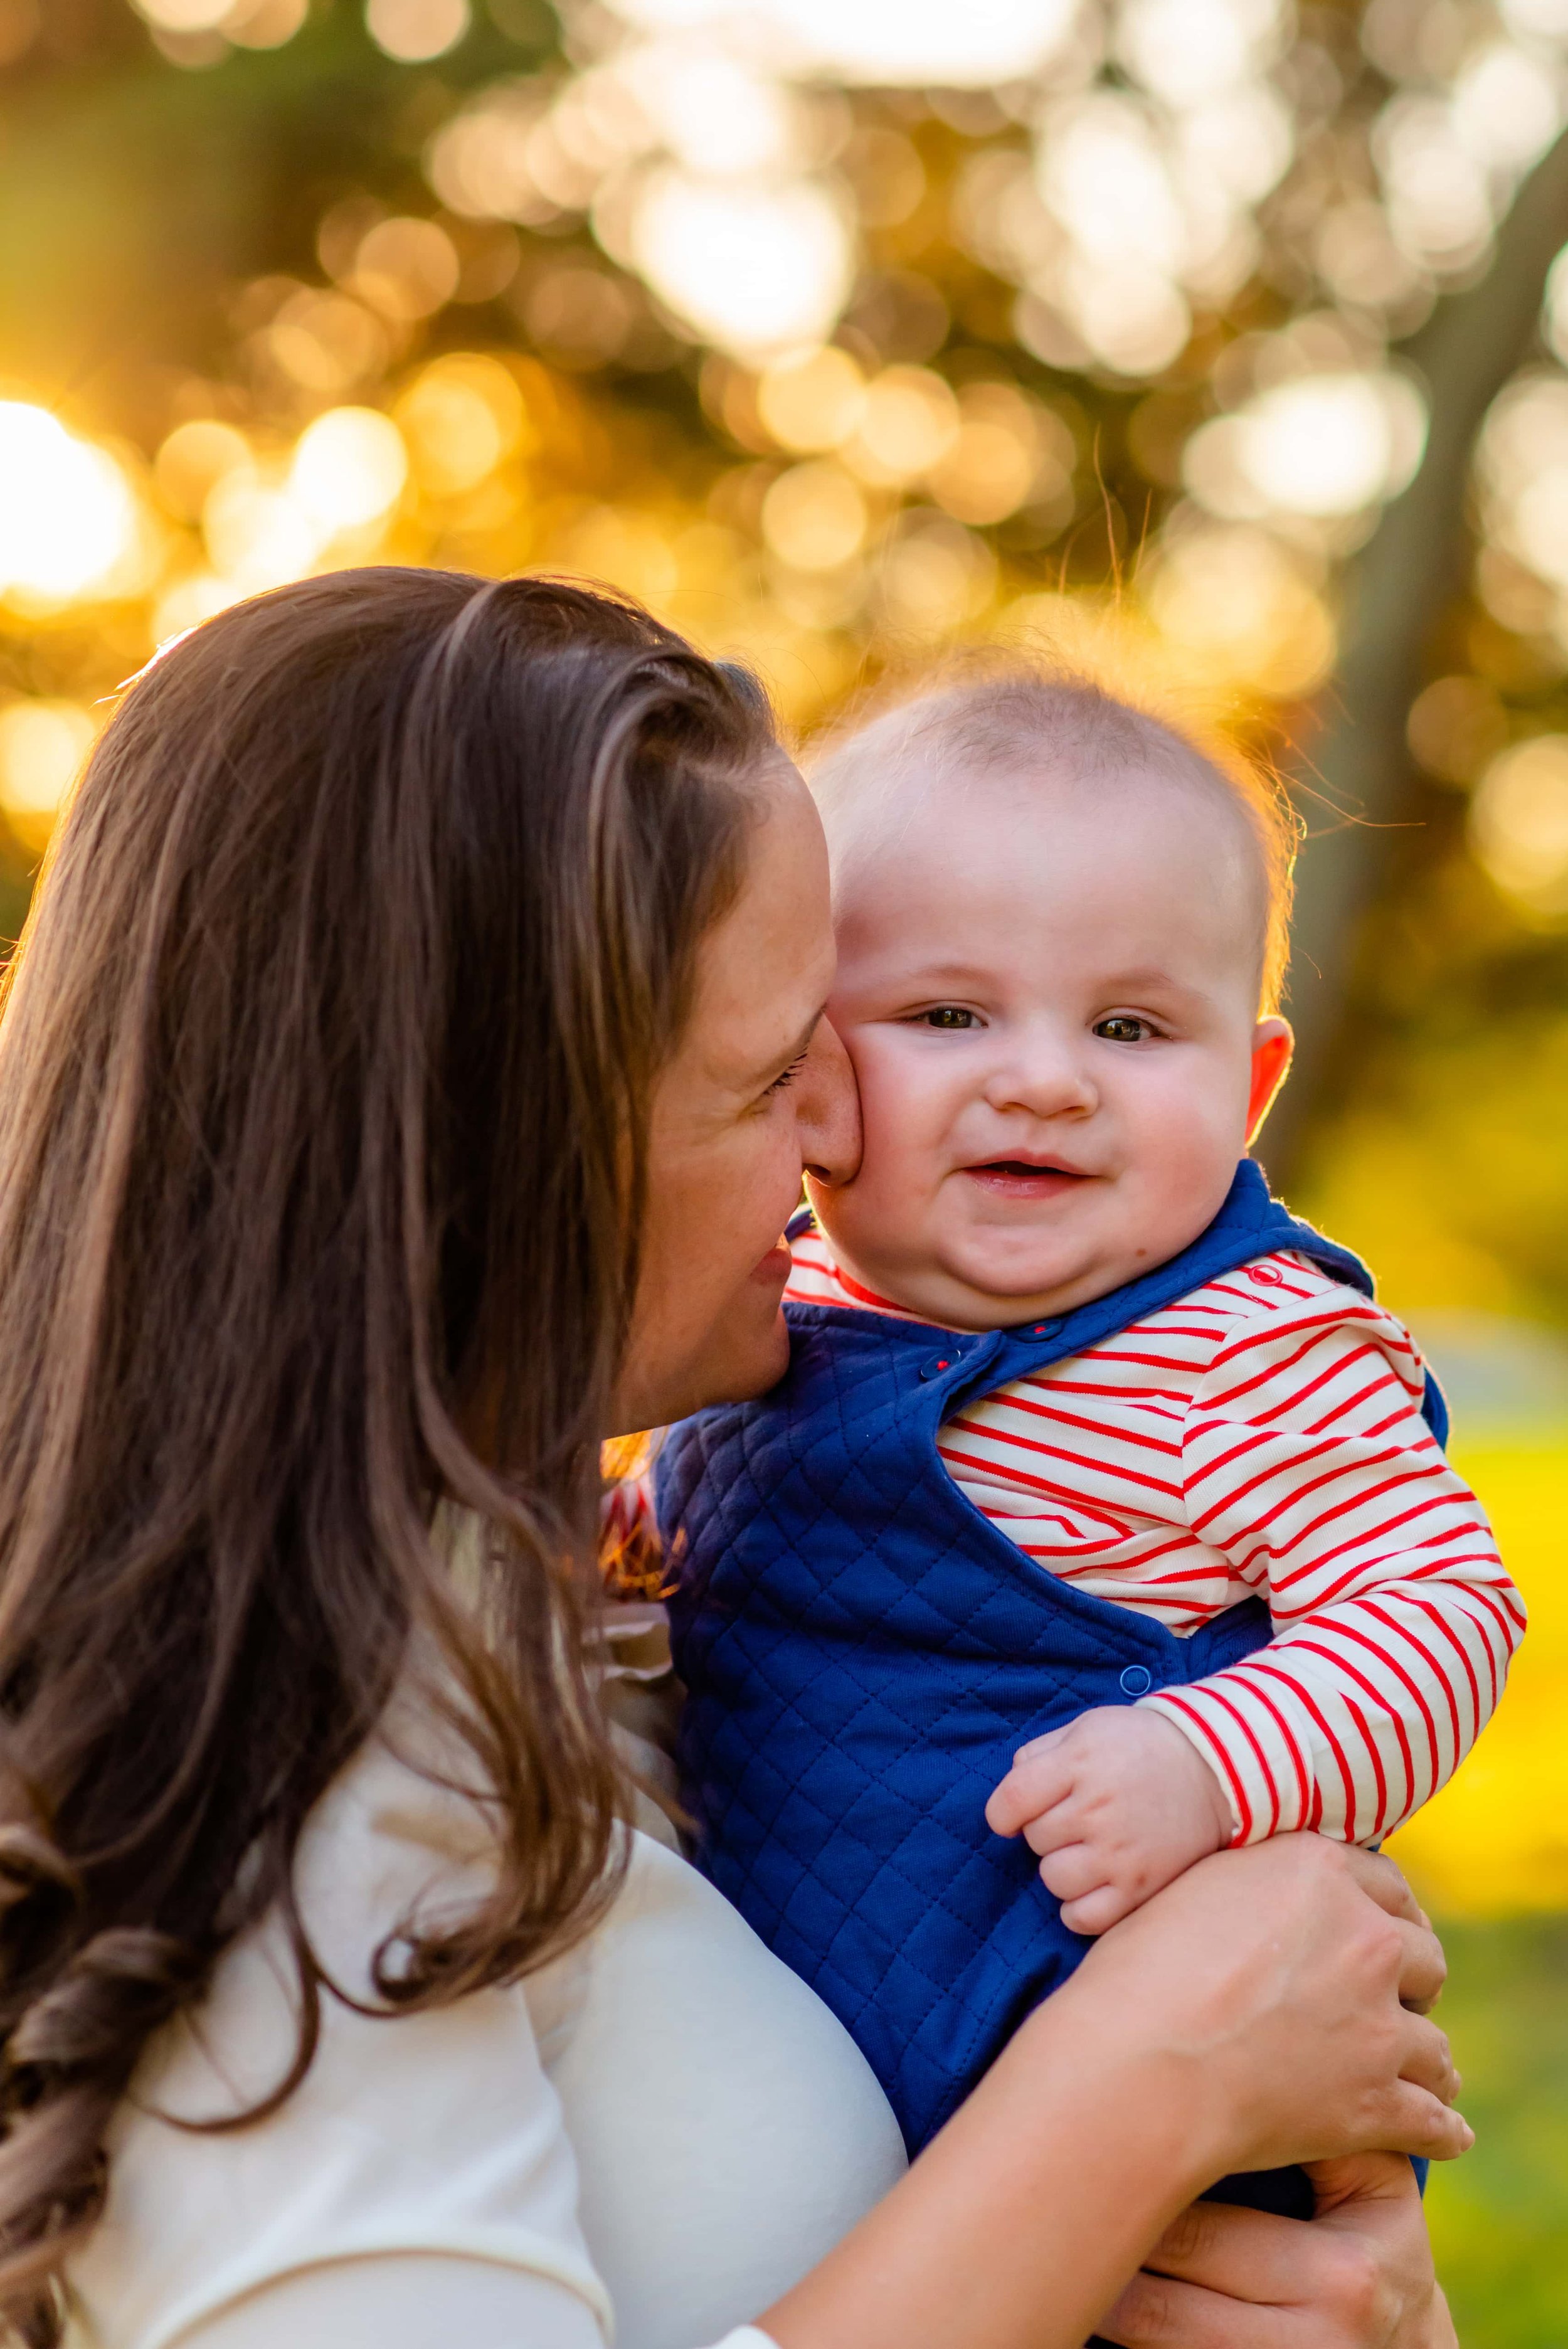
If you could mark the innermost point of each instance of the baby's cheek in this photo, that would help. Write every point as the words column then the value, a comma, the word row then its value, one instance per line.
column 905, row 1110
column 1187, row 1139
column 881, row 1215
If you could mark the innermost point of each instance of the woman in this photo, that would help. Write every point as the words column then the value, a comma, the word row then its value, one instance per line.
column 421, row 964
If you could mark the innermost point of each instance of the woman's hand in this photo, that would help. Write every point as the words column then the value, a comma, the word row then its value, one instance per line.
column 1261, row 2010
column 1289, row 1984
column 1359, row 2276
column 1071, row 2164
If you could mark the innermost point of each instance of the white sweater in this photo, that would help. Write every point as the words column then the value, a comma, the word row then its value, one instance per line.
column 649, row 2140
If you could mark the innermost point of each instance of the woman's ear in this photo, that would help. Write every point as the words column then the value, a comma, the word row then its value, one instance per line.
column 1273, row 1045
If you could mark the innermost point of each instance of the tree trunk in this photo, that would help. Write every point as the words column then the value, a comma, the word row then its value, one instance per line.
column 1406, row 578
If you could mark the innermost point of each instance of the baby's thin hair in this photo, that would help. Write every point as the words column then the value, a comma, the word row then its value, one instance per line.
column 1018, row 716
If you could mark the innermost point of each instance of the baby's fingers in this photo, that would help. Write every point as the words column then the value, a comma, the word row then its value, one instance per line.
column 1054, row 1829
column 1073, row 1872
column 1098, row 1910
column 1035, row 1782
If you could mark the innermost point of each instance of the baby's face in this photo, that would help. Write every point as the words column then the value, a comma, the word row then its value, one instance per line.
column 1049, row 988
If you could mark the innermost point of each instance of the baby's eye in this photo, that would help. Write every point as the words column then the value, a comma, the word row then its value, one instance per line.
column 947, row 1015
column 1123, row 1028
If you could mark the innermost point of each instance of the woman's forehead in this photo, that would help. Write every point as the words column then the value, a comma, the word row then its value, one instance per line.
column 764, row 967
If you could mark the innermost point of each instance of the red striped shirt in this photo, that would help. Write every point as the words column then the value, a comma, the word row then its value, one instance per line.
column 1261, row 1438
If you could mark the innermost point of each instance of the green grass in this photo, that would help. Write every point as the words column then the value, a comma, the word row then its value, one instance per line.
column 1500, row 2217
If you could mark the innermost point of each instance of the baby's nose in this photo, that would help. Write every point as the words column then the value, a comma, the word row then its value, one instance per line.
column 1046, row 1084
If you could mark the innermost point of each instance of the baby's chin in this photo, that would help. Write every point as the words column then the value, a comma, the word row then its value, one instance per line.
column 996, row 1295
column 965, row 1287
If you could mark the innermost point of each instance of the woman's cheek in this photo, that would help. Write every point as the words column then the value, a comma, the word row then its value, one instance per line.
column 785, row 1171
column 762, row 1181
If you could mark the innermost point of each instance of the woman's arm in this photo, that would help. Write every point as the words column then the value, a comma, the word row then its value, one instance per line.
column 1255, row 2012
column 1359, row 2274
column 1359, row 2277
column 404, row 2300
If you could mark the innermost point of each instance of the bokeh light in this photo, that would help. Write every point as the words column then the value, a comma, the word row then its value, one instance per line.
column 1507, row 105
column 1455, row 727
column 1554, row 310
column 193, row 460
column 1437, row 198
column 1237, row 604
column 256, row 536
column 406, row 268
column 752, row 269
column 42, row 747
column 350, row 467
column 712, row 111
column 914, row 43
column 1519, row 819
column 996, row 460
column 184, row 15
column 67, row 517
column 264, row 23
column 481, row 162
column 909, row 421
column 580, row 315
column 1522, row 465
column 934, row 578
column 459, row 418
column 1324, row 446
column 814, row 399
column 815, row 516
column 624, row 549
column 412, row 31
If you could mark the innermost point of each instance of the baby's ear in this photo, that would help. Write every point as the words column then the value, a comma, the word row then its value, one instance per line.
column 1273, row 1044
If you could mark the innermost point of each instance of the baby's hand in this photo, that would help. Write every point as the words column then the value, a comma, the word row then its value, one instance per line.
column 1116, row 1804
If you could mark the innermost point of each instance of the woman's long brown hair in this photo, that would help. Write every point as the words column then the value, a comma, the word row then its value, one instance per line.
column 325, row 1071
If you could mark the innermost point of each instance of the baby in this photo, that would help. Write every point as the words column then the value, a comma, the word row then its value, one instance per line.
column 1101, row 1504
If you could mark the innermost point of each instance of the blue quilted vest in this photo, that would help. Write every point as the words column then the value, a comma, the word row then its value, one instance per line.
column 863, row 1650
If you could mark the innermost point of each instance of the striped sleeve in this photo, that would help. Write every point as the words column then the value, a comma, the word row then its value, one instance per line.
column 1307, row 1465
column 631, row 1553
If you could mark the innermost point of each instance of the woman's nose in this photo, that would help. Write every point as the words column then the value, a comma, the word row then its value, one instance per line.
column 828, row 1111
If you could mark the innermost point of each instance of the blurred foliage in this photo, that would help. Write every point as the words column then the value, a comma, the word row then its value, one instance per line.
column 1493, row 1846
column 788, row 319
column 1497, row 2216
column 1116, row 298
column 1496, row 1839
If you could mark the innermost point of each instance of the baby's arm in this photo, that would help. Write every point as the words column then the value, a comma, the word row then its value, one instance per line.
column 631, row 1554
column 1308, row 1466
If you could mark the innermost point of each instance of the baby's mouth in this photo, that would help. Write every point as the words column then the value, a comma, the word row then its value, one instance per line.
column 1020, row 1178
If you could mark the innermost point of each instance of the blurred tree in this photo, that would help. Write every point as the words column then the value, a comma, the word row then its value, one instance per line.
column 1403, row 586
column 845, row 334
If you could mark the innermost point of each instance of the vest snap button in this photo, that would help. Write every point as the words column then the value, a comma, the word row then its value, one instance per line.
column 1136, row 1679
column 938, row 1362
column 1044, row 1329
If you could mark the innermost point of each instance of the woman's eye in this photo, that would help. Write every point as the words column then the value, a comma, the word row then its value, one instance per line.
column 786, row 1077
column 1123, row 1029
column 947, row 1015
